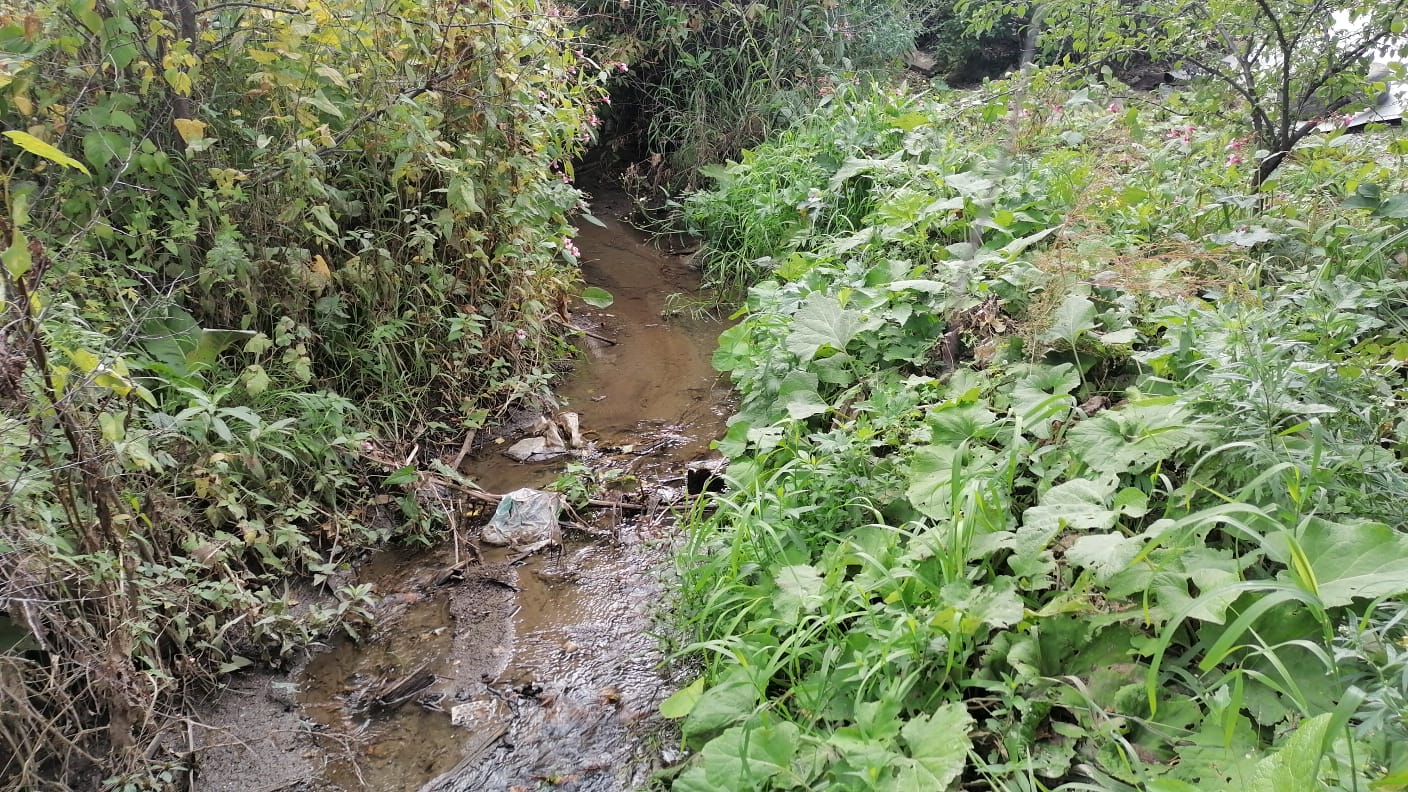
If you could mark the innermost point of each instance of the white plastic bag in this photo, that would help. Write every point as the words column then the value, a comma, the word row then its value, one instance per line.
column 526, row 519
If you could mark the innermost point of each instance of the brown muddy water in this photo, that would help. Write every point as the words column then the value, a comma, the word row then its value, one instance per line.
column 518, row 674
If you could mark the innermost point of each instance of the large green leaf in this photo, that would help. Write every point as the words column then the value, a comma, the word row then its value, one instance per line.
column 1105, row 554
column 1350, row 560
column 798, row 589
column 936, row 471
column 1076, row 505
column 798, row 394
column 1293, row 768
column 822, row 322
column 938, row 746
column 1210, row 572
column 742, row 758
column 1043, row 396
column 171, row 336
column 997, row 605
column 729, row 701
column 1133, row 437
column 1074, row 318
column 682, row 701
column 735, row 349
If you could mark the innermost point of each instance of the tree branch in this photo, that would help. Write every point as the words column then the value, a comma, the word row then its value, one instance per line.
column 1258, row 113
column 1283, row 130
column 244, row 4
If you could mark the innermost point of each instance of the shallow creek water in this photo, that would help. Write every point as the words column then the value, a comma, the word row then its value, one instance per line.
column 543, row 673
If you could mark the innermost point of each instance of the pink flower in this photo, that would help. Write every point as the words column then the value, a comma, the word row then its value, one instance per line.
column 1234, row 159
column 606, row 100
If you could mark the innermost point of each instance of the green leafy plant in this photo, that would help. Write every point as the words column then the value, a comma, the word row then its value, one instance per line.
column 1075, row 486
column 1288, row 65
column 247, row 252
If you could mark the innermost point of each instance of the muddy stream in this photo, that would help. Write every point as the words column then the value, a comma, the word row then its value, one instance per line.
column 512, row 673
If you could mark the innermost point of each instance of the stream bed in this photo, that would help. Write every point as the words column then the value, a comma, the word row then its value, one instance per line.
column 485, row 671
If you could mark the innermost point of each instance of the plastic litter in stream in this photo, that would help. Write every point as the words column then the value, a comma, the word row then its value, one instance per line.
column 526, row 520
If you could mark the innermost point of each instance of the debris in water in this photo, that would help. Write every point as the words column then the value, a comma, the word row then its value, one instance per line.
column 479, row 713
column 390, row 693
column 536, row 449
column 572, row 423
column 705, row 476
column 526, row 520
column 547, row 442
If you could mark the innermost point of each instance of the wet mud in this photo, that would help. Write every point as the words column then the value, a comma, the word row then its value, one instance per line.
column 485, row 671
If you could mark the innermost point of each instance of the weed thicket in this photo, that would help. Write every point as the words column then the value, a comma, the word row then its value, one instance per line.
column 251, row 254
column 711, row 79
column 1058, row 464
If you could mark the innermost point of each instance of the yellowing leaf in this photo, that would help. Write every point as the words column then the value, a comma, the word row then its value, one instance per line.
column 23, row 104
column 320, row 270
column 113, row 383
column 189, row 129
column 39, row 148
column 262, row 57
column 16, row 257
column 85, row 360
column 179, row 81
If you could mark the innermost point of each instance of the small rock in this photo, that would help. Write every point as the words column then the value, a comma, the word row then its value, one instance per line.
column 536, row 449
column 285, row 694
column 922, row 62
column 525, row 449
column 552, row 438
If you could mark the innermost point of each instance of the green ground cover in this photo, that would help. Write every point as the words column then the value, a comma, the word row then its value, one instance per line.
column 1059, row 461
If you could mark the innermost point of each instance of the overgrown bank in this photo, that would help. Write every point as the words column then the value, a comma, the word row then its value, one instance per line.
column 254, row 255
column 1058, row 463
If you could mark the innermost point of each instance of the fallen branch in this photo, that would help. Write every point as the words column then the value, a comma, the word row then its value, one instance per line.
column 603, row 339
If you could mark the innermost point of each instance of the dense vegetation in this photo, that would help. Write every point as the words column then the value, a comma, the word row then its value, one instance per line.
column 252, row 253
column 710, row 79
column 1061, row 461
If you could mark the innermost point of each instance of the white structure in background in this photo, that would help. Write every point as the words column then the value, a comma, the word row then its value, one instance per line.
column 1388, row 105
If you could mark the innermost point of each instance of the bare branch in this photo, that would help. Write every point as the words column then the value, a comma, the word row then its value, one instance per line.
column 244, row 4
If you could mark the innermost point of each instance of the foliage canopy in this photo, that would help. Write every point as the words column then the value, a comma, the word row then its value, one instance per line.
column 1291, row 64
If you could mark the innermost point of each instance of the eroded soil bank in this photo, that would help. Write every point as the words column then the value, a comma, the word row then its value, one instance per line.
column 486, row 671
